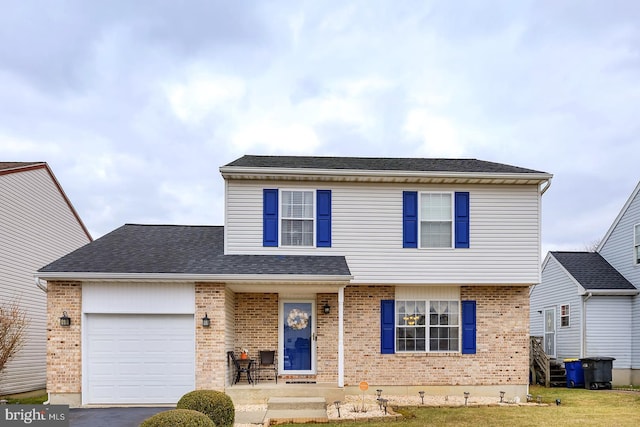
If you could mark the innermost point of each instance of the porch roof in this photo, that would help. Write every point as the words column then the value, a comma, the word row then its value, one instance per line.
column 592, row 271
column 183, row 250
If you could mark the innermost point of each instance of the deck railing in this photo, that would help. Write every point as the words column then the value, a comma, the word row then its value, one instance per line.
column 539, row 363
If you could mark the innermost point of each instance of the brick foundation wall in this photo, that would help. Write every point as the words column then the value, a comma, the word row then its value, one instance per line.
column 502, row 342
column 210, row 342
column 64, row 350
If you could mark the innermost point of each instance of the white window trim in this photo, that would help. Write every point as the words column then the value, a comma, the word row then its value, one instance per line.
column 452, row 220
column 427, row 325
column 281, row 217
column 636, row 244
column 568, row 315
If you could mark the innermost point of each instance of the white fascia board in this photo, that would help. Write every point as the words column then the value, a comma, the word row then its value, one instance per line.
column 230, row 171
column 253, row 278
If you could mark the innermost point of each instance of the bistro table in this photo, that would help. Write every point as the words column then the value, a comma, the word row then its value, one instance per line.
column 246, row 365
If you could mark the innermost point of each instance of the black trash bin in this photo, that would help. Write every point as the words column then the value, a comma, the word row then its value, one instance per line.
column 597, row 372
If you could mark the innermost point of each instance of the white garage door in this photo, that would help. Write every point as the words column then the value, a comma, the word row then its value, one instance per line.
column 139, row 358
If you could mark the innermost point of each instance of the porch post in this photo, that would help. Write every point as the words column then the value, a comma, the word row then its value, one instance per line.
column 341, row 336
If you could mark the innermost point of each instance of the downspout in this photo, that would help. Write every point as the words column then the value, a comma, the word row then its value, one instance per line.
column 39, row 284
column 583, row 325
column 341, row 336
column 546, row 187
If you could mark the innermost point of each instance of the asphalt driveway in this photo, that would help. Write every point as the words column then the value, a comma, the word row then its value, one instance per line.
column 110, row 417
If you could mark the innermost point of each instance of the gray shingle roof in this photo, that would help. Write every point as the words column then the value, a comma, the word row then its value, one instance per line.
column 592, row 271
column 180, row 249
column 379, row 164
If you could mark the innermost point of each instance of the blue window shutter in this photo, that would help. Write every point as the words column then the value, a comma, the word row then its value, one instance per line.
column 410, row 219
column 462, row 219
column 323, row 221
column 387, row 326
column 468, row 327
column 270, row 217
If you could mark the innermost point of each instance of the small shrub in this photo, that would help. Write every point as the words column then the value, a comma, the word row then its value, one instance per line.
column 215, row 404
column 178, row 418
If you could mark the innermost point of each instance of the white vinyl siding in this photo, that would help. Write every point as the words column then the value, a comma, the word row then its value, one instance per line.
column 636, row 244
column 617, row 249
column 367, row 229
column 37, row 226
column 609, row 329
column 556, row 289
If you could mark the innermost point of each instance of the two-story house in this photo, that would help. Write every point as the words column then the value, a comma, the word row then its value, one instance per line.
column 38, row 224
column 588, row 303
column 409, row 274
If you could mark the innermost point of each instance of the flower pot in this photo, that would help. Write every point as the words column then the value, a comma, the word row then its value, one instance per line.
column 243, row 355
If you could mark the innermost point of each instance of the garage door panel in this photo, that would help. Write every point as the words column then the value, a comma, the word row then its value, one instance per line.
column 139, row 358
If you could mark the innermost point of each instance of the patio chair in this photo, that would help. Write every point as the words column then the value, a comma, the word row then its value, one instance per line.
column 239, row 368
column 266, row 362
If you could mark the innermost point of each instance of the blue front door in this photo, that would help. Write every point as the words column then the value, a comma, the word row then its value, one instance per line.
column 298, row 326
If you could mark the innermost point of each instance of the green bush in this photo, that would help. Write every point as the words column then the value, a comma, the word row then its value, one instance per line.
column 178, row 418
column 215, row 404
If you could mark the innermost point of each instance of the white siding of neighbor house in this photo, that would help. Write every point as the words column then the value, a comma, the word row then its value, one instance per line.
column 609, row 329
column 555, row 290
column 367, row 230
column 36, row 227
column 618, row 250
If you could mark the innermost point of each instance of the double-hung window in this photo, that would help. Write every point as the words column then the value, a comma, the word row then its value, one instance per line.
column 564, row 316
column 636, row 243
column 437, row 330
column 436, row 220
column 297, row 213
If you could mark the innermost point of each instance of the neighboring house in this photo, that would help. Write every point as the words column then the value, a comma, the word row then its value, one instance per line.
column 409, row 274
column 38, row 224
column 587, row 304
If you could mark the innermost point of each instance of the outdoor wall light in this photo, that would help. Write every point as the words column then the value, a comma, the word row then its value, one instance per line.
column 206, row 322
column 65, row 320
column 466, row 397
column 326, row 308
column 421, row 393
column 501, row 396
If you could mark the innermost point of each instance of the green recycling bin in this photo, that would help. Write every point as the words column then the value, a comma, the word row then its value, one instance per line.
column 597, row 372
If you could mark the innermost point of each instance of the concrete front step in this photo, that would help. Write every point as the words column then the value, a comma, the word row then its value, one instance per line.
column 297, row 403
column 281, row 410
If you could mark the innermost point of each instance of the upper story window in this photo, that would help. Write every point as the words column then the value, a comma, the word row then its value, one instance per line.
column 636, row 244
column 297, row 212
column 564, row 316
column 436, row 220
column 296, row 218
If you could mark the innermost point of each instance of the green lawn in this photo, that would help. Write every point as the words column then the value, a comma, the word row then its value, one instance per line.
column 578, row 407
column 35, row 400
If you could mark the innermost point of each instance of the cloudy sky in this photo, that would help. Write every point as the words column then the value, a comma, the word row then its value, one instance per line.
column 136, row 104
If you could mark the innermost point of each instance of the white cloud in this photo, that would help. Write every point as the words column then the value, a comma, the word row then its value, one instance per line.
column 203, row 93
column 273, row 137
column 438, row 135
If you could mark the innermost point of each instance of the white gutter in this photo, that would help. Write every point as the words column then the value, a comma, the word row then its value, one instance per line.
column 232, row 171
column 611, row 292
column 341, row 336
column 253, row 278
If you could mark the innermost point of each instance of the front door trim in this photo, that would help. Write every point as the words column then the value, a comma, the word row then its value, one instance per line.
column 287, row 349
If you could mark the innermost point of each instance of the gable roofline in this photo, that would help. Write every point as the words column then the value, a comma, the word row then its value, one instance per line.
column 549, row 257
column 624, row 209
column 7, row 168
column 588, row 269
column 377, row 169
